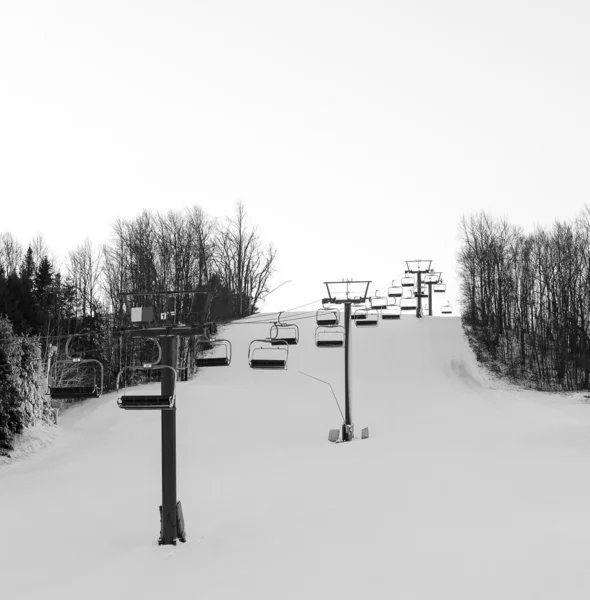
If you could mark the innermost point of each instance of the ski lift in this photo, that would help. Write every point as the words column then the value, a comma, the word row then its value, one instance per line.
column 327, row 316
column 378, row 302
column 447, row 309
column 147, row 401
column 408, row 281
column 220, row 353
column 393, row 311
column 423, row 292
column 78, row 392
column 360, row 312
column 330, row 337
column 267, row 355
column 371, row 319
column 439, row 287
column 407, row 304
column 284, row 332
column 395, row 291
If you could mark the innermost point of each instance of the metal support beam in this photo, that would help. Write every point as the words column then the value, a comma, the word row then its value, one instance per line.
column 419, row 304
column 169, row 514
column 347, row 429
column 429, row 299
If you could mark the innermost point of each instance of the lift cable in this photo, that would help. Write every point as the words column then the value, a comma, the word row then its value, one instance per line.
column 322, row 381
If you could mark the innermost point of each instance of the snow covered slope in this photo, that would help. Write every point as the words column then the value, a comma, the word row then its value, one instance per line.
column 464, row 489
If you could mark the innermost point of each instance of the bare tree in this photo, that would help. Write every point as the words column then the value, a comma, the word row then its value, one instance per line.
column 11, row 253
column 85, row 268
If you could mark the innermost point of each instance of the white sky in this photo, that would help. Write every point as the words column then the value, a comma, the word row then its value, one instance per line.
column 384, row 121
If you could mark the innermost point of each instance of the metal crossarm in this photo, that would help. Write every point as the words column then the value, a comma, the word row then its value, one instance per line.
column 418, row 266
column 351, row 291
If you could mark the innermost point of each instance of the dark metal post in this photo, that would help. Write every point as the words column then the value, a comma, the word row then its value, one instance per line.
column 430, row 299
column 419, row 305
column 347, row 431
column 169, row 516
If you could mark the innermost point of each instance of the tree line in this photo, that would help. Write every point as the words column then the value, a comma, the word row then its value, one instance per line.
column 526, row 297
column 153, row 252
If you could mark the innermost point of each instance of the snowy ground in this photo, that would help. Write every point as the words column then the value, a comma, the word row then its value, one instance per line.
column 466, row 489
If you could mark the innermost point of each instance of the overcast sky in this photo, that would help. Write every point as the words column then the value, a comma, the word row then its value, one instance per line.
column 356, row 133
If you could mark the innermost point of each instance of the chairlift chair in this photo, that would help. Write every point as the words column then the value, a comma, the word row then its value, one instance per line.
column 407, row 304
column 378, row 303
column 284, row 332
column 360, row 312
column 393, row 311
column 371, row 319
column 78, row 392
column 395, row 291
column 330, row 337
column 327, row 316
column 147, row 401
column 447, row 309
column 267, row 354
column 439, row 287
column 408, row 281
column 220, row 353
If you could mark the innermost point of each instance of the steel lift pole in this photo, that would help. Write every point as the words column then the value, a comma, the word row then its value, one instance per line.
column 169, row 500
column 419, row 287
column 347, row 427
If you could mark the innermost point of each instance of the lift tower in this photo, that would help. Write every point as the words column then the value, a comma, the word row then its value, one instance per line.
column 347, row 292
column 418, row 267
column 431, row 278
column 165, row 329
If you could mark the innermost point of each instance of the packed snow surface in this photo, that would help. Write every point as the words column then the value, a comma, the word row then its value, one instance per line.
column 466, row 489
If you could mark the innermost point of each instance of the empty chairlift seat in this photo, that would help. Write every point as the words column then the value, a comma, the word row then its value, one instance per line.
column 371, row 319
column 329, row 337
column 393, row 311
column 439, row 288
column 407, row 304
column 268, row 354
column 327, row 316
column 78, row 392
column 358, row 312
column 395, row 291
column 447, row 309
column 378, row 303
column 74, row 391
column 408, row 281
column 147, row 401
column 218, row 353
column 281, row 333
